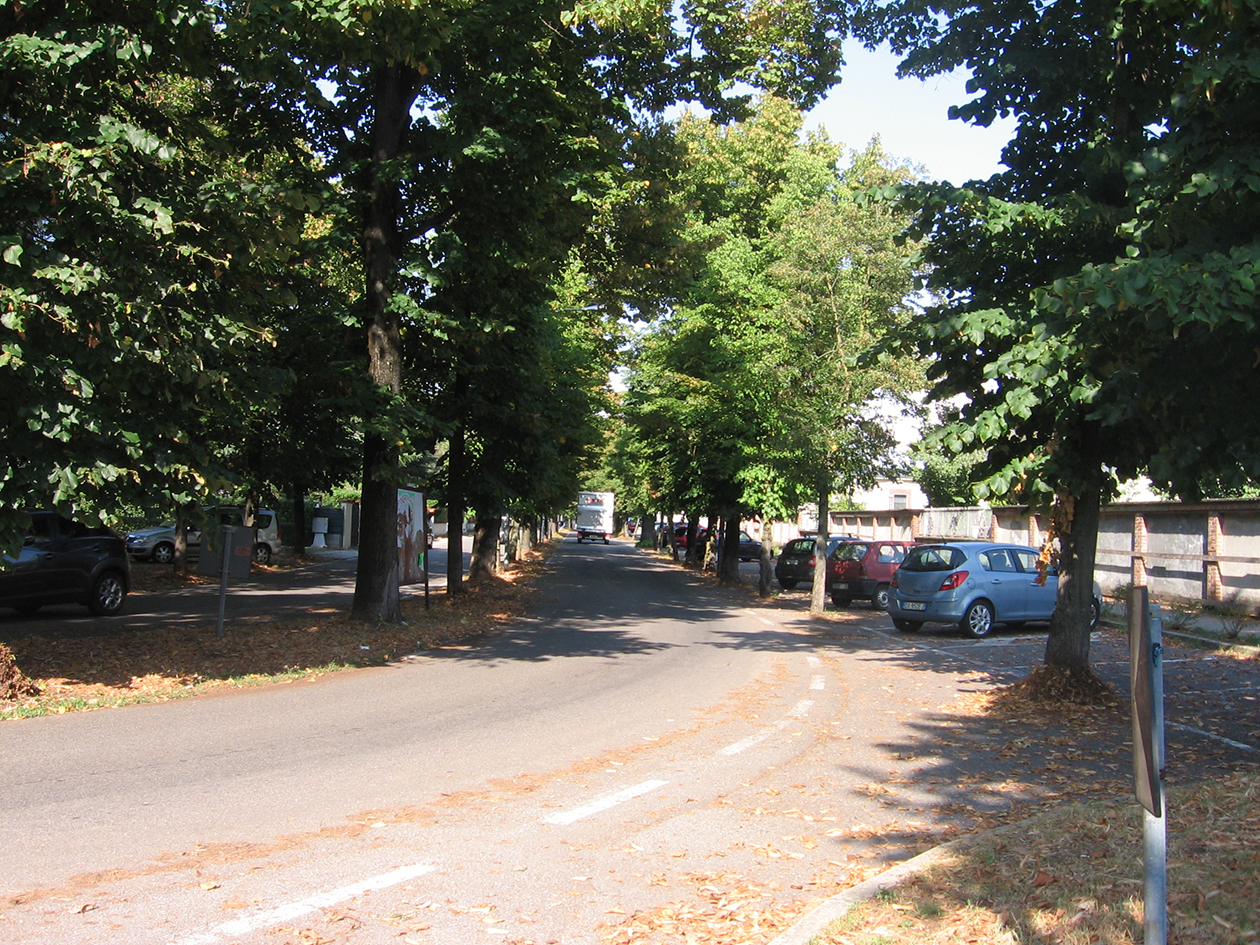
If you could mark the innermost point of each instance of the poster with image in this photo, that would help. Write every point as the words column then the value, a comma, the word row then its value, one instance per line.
column 411, row 550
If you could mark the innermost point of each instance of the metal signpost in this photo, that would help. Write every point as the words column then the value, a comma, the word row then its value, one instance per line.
column 1146, row 674
column 227, row 553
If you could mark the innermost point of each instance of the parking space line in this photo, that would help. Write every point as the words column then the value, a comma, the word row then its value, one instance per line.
column 799, row 711
column 293, row 910
column 603, row 803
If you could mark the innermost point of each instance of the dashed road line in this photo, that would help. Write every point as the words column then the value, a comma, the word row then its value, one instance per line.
column 799, row 711
column 603, row 803
column 1205, row 734
column 818, row 682
column 261, row 920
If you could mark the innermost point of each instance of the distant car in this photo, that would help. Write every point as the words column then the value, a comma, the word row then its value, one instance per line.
column 976, row 585
column 864, row 569
column 796, row 561
column 749, row 548
column 66, row 562
column 680, row 535
column 158, row 543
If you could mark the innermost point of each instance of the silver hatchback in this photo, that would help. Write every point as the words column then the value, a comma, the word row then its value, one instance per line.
column 975, row 585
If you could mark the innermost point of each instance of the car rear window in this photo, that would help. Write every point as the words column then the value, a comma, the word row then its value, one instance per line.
column 800, row 546
column 934, row 559
column 851, row 551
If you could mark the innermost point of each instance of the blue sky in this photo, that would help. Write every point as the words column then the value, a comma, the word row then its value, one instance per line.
column 910, row 116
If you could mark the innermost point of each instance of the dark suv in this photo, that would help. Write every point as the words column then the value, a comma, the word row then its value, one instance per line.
column 864, row 569
column 64, row 561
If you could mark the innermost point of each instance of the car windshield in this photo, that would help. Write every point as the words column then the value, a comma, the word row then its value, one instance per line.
column 934, row 559
column 850, row 551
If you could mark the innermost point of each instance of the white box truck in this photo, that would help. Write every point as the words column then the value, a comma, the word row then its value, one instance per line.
column 595, row 515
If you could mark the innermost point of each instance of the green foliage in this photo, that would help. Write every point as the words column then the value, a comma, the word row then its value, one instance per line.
column 1097, row 305
column 747, row 397
column 137, row 256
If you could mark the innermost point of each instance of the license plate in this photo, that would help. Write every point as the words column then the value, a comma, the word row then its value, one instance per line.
column 843, row 586
column 913, row 605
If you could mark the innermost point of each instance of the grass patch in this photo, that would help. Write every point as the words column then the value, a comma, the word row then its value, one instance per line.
column 59, row 672
column 1074, row 877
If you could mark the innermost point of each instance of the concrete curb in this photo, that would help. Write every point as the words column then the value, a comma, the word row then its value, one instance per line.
column 839, row 905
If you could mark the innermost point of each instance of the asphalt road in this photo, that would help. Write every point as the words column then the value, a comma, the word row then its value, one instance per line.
column 643, row 736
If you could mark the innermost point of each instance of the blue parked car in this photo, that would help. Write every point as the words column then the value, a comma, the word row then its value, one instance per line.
column 976, row 585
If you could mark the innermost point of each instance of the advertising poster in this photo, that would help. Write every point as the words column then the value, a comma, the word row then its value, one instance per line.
column 411, row 550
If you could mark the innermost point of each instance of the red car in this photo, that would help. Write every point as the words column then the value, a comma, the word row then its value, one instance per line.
column 680, row 535
column 863, row 569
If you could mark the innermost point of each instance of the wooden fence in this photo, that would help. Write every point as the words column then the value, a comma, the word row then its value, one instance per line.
column 1204, row 551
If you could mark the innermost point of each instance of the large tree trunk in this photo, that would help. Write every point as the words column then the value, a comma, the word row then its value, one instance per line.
column 692, row 557
column 180, row 561
column 728, row 560
column 299, row 520
column 456, row 509
column 485, row 547
column 1068, row 644
column 818, row 597
column 376, row 583
column 765, row 582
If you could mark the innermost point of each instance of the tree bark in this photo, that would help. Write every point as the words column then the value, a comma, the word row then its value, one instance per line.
column 299, row 520
column 765, row 582
column 485, row 547
column 728, row 560
column 376, row 581
column 691, row 558
column 456, row 509
column 180, row 561
column 818, row 596
column 1068, row 644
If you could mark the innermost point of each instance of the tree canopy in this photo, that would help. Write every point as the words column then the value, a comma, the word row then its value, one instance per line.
column 1096, row 309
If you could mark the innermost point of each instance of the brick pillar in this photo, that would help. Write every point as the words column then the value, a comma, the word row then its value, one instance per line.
column 1034, row 531
column 914, row 527
column 1139, row 548
column 1212, row 569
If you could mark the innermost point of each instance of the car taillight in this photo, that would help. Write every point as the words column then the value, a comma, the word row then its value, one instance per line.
column 893, row 581
column 811, row 562
column 954, row 580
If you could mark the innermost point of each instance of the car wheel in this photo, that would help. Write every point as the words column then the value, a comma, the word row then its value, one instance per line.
column 787, row 585
column 1095, row 613
column 163, row 552
column 841, row 600
column 906, row 626
column 262, row 554
column 977, row 622
column 880, row 599
column 107, row 594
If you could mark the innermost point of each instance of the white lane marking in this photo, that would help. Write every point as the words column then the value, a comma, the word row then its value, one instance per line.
column 262, row 920
column 799, row 711
column 1219, row 738
column 765, row 620
column 818, row 682
column 813, row 661
column 748, row 742
column 603, row 803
